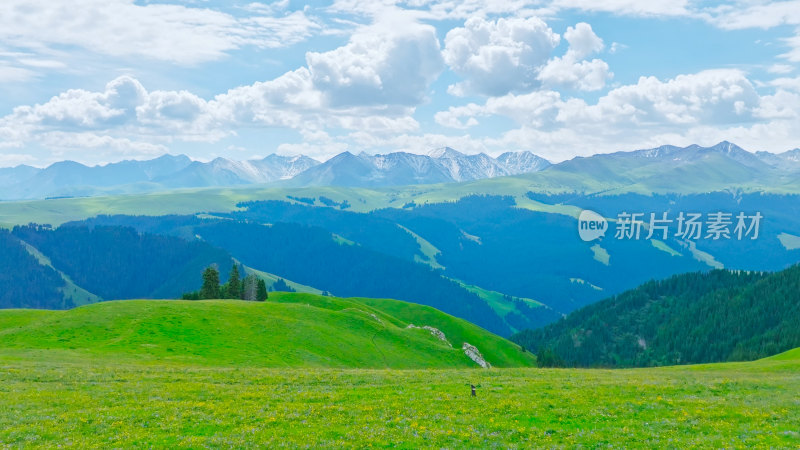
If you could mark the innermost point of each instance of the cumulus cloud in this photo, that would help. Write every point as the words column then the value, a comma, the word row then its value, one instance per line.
column 498, row 56
column 81, row 108
column 122, row 116
column 513, row 56
column 715, row 96
column 652, row 111
column 572, row 70
column 166, row 32
column 372, row 83
column 582, row 41
column 390, row 62
column 712, row 96
column 580, row 75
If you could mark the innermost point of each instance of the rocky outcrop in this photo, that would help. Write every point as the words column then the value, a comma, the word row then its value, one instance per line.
column 474, row 354
column 437, row 333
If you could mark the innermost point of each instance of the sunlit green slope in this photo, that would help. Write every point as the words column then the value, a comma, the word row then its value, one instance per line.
column 290, row 330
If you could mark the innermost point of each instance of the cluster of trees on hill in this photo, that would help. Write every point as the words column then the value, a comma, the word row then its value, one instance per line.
column 698, row 317
column 248, row 288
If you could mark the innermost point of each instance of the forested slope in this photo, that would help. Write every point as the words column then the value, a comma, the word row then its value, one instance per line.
column 690, row 318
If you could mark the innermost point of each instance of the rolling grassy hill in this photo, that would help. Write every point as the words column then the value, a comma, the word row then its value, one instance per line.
column 290, row 330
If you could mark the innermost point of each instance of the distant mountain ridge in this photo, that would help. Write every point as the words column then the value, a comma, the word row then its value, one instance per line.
column 69, row 178
column 662, row 169
column 671, row 169
column 441, row 165
column 72, row 179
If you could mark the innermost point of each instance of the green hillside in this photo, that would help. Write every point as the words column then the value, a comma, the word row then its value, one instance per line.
column 291, row 330
column 691, row 318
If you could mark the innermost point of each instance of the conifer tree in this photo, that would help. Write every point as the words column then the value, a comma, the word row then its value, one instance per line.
column 210, row 287
column 233, row 289
column 261, row 291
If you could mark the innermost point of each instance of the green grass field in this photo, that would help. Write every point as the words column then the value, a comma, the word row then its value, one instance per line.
column 236, row 374
column 47, row 401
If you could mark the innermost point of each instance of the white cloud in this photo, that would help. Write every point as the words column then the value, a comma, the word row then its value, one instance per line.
column 167, row 32
column 580, row 75
column 615, row 47
column 390, row 62
column 791, row 84
column 781, row 69
column 123, row 116
column 793, row 42
column 748, row 14
column 14, row 159
column 713, row 96
column 373, row 83
column 764, row 15
column 650, row 112
column 464, row 9
column 85, row 109
column 10, row 74
column 90, row 141
column 500, row 56
column 582, row 41
column 511, row 55
column 628, row 7
column 571, row 70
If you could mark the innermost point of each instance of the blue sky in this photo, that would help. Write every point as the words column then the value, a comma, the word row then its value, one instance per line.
column 104, row 80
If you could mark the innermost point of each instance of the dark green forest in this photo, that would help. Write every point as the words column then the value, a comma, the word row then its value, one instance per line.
column 698, row 317
column 117, row 262
column 24, row 282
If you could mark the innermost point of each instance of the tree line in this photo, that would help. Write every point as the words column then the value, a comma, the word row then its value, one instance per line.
column 250, row 288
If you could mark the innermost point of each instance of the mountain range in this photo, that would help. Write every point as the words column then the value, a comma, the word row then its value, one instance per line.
column 663, row 169
column 445, row 165
column 442, row 165
column 72, row 179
